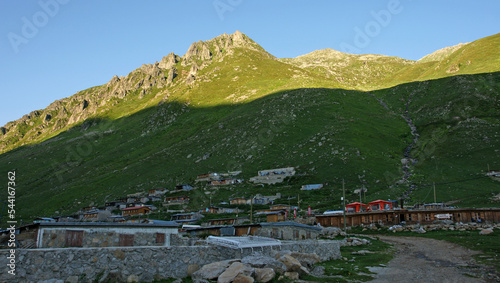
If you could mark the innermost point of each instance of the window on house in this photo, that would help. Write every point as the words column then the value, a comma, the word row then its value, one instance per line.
column 126, row 240
column 74, row 239
column 295, row 234
column 160, row 238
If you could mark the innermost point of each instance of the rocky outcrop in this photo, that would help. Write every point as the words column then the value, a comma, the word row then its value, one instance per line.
column 169, row 61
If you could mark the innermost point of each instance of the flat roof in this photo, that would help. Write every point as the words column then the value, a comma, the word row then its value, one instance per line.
column 107, row 224
column 290, row 223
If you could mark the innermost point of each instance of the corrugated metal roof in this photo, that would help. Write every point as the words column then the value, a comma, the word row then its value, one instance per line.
column 289, row 223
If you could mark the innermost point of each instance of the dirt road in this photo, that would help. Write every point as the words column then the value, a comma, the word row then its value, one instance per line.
column 428, row 260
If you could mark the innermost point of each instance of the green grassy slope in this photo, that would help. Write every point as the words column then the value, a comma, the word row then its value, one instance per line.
column 248, row 111
column 458, row 121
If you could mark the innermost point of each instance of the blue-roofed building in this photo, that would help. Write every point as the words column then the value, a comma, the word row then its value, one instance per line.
column 311, row 187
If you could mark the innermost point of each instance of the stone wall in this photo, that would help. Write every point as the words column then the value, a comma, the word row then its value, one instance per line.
column 105, row 237
column 287, row 232
column 143, row 264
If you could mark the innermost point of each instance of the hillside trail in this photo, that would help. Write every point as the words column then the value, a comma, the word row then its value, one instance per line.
column 429, row 260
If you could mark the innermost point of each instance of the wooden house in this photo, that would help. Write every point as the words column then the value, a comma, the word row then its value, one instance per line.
column 356, row 207
column 238, row 201
column 379, row 205
column 136, row 210
column 177, row 199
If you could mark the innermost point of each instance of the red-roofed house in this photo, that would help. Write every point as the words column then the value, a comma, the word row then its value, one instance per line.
column 380, row 205
column 356, row 207
column 136, row 210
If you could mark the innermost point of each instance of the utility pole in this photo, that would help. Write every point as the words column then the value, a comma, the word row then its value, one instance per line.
column 251, row 209
column 343, row 204
column 434, row 185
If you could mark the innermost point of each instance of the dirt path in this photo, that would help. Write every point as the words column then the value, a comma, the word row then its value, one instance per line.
column 428, row 260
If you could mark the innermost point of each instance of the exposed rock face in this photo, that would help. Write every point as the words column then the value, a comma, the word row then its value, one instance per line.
column 197, row 51
column 190, row 79
column 172, row 73
column 168, row 61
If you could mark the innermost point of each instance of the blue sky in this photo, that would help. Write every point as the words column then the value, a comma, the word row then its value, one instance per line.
column 50, row 49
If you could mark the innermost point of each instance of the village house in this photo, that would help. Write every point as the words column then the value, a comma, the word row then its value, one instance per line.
column 273, row 176
column 44, row 220
column 159, row 192
column 356, row 207
column 288, row 231
column 225, row 182
column 94, row 234
column 277, row 230
column 216, row 176
column 184, row 187
column 226, row 221
column 311, row 187
column 136, row 210
column 88, row 209
column 239, row 200
column 187, row 217
column 177, row 199
column 379, row 205
column 396, row 217
column 274, row 216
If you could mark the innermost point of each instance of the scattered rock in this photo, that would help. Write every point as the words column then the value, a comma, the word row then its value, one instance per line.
column 211, row 271
column 305, row 259
column 243, row 279
column 234, row 270
column 192, row 268
column 292, row 265
column 486, row 231
column 261, row 261
column 318, row 271
column 292, row 275
column 264, row 274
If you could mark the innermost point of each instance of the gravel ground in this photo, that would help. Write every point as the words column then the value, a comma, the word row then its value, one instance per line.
column 428, row 260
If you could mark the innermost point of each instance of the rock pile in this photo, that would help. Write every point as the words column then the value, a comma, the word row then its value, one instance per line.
column 260, row 268
column 417, row 228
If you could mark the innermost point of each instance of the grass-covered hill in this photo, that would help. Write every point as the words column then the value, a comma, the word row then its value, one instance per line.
column 227, row 105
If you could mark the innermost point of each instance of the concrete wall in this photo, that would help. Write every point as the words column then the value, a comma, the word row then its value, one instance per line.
column 145, row 264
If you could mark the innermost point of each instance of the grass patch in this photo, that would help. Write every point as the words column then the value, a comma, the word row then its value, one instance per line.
column 355, row 268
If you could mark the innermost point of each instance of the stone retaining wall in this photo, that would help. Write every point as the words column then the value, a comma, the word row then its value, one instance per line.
column 143, row 264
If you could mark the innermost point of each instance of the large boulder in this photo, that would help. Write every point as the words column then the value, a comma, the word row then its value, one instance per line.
column 261, row 261
column 264, row 274
column 243, row 279
column 234, row 270
column 211, row 271
column 292, row 265
column 306, row 260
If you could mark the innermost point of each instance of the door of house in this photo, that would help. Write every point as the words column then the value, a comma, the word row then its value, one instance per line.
column 74, row 239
